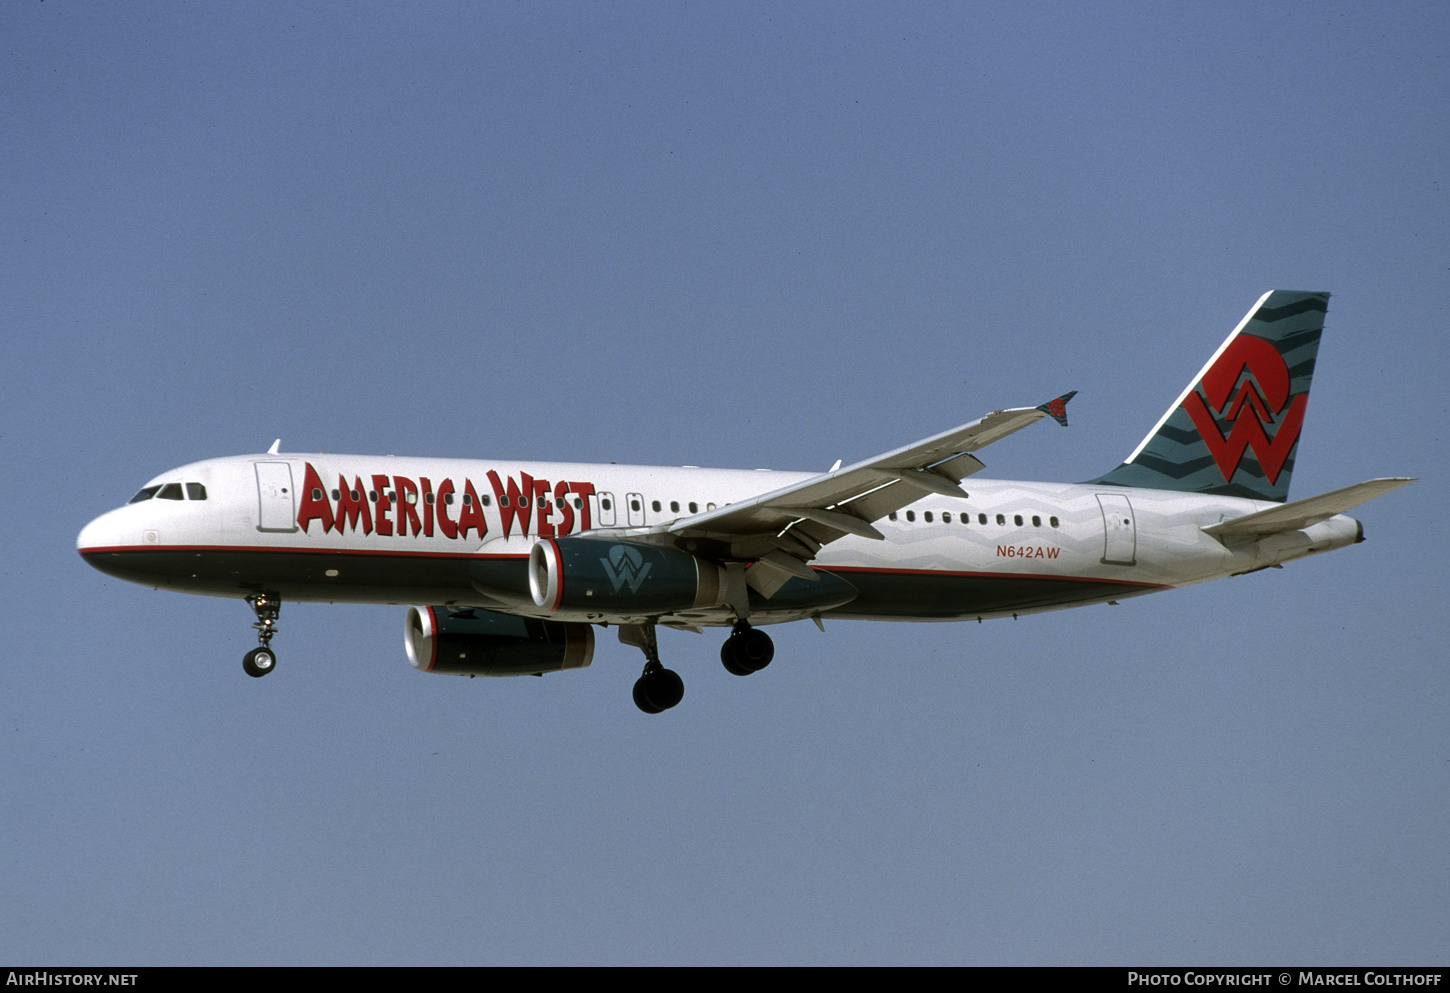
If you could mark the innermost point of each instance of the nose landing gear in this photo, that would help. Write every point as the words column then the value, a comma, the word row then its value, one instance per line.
column 262, row 660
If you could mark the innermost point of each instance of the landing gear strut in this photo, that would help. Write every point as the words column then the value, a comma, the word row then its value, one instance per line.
column 747, row 650
column 262, row 660
column 657, row 689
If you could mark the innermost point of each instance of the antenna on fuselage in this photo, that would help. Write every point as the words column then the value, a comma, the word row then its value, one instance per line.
column 275, row 445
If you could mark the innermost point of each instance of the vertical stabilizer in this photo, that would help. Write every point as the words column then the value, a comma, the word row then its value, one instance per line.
column 1235, row 430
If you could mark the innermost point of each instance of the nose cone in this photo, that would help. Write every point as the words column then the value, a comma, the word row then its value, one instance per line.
column 102, row 533
column 104, row 542
column 115, row 543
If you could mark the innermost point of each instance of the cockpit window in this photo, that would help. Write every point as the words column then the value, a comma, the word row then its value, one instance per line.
column 171, row 491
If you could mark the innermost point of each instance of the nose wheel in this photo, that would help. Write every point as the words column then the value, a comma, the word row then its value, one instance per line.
column 259, row 661
column 262, row 660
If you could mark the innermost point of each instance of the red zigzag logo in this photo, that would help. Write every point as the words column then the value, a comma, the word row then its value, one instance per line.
column 1261, row 399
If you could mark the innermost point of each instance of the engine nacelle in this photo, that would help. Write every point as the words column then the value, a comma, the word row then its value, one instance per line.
column 476, row 642
column 620, row 577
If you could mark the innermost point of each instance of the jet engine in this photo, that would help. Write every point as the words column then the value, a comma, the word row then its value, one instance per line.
column 620, row 577
column 476, row 642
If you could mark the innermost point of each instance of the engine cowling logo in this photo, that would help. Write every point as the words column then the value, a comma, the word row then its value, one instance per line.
column 625, row 565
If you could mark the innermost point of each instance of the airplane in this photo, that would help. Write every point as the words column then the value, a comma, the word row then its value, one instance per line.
column 517, row 562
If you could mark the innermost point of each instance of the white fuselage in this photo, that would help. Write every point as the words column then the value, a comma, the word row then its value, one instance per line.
column 370, row 529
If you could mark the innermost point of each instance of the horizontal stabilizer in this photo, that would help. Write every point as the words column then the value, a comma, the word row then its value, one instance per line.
column 1305, row 513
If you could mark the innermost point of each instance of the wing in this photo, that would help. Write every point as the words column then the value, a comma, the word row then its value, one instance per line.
column 780, row 531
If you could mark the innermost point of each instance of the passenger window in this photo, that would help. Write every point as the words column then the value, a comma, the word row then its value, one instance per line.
column 981, row 518
column 926, row 517
column 195, row 491
column 606, row 504
column 674, row 506
column 1052, row 521
column 1001, row 519
column 656, row 505
column 335, row 493
column 145, row 494
column 1036, row 521
column 694, row 507
column 1017, row 519
column 946, row 518
column 892, row 515
column 911, row 515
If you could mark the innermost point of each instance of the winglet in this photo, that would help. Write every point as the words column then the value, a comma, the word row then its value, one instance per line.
column 1057, row 408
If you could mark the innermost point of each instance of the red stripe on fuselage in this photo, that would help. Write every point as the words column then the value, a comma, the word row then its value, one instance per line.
column 399, row 553
column 883, row 571
column 275, row 549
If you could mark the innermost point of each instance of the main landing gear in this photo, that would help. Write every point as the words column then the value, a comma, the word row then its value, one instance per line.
column 747, row 650
column 262, row 660
column 658, row 689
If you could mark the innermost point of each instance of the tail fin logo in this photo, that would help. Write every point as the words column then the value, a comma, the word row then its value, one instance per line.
column 1248, row 390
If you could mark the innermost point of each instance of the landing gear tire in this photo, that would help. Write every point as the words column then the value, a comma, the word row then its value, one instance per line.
column 640, row 700
column 258, row 662
column 658, row 690
column 747, row 650
column 727, row 659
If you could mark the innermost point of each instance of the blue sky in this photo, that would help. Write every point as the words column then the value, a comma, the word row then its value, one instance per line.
column 739, row 235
